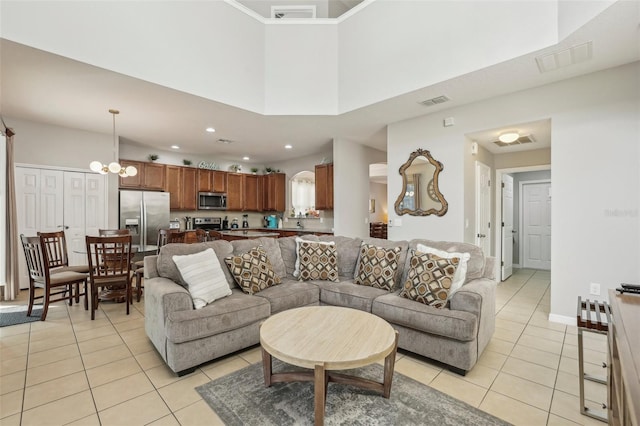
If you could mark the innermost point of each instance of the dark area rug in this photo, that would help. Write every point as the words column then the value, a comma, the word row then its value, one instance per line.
column 18, row 315
column 241, row 398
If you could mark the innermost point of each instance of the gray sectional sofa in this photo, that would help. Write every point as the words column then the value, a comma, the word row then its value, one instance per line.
column 185, row 337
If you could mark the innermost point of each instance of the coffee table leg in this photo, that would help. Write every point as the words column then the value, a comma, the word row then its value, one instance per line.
column 389, row 365
column 266, row 367
column 320, row 390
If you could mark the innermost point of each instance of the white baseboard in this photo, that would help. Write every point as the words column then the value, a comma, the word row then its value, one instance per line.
column 562, row 319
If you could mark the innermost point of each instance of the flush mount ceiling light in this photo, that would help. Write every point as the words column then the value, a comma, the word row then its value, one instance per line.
column 175, row 147
column 210, row 129
column 508, row 137
column 288, row 146
column 114, row 166
column 245, row 158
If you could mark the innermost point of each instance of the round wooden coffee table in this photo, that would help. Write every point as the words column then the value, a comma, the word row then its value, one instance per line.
column 325, row 339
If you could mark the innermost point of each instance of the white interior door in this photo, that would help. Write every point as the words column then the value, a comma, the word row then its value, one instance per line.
column 483, row 207
column 507, row 227
column 536, row 225
column 74, row 216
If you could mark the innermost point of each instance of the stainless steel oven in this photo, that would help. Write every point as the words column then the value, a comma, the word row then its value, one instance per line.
column 212, row 201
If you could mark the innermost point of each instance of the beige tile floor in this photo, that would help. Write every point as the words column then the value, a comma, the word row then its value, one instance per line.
column 71, row 370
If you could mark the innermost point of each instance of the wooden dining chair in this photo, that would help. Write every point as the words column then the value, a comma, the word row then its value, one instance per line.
column 59, row 284
column 55, row 244
column 109, row 266
column 201, row 235
column 214, row 235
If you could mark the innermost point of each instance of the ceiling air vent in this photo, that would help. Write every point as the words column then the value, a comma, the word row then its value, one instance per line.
column 520, row 141
column 564, row 58
column 293, row 12
column 434, row 101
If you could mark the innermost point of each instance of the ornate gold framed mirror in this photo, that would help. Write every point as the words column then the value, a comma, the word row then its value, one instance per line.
column 420, row 195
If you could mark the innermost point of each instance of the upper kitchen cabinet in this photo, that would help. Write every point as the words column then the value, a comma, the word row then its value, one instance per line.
column 150, row 176
column 212, row 181
column 253, row 193
column 274, row 189
column 324, row 186
column 235, row 191
column 181, row 185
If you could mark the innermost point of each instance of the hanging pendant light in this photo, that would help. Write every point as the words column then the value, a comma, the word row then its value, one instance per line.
column 114, row 166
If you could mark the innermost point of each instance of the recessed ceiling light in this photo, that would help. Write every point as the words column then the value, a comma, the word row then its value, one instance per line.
column 508, row 137
column 210, row 129
column 245, row 158
column 288, row 146
column 175, row 147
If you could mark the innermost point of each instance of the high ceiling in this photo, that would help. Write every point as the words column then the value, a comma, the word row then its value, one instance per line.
column 43, row 87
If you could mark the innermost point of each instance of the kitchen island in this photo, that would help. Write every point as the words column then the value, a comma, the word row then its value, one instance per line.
column 246, row 234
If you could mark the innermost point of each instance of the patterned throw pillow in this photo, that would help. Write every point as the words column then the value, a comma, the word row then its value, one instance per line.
column 252, row 270
column 378, row 266
column 429, row 279
column 461, row 270
column 318, row 261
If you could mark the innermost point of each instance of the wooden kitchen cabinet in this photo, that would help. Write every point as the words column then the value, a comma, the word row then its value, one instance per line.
column 324, row 186
column 253, row 193
column 274, row 189
column 150, row 176
column 212, row 181
column 181, row 185
column 235, row 191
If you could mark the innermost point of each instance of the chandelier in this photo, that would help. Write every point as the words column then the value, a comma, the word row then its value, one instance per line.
column 114, row 166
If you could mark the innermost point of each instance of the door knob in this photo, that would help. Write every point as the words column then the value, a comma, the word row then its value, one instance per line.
column 63, row 226
column 481, row 235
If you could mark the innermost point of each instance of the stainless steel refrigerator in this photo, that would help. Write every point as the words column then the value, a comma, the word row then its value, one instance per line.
column 143, row 213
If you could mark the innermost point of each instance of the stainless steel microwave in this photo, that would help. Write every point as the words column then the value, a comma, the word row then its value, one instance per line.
column 212, row 201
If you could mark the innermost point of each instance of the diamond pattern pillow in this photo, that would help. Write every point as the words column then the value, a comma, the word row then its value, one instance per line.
column 378, row 266
column 429, row 279
column 252, row 270
column 318, row 261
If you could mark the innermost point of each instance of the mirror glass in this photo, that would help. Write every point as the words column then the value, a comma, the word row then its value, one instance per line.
column 420, row 195
column 303, row 193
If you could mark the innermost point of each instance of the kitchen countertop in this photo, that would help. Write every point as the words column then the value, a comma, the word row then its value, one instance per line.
column 302, row 230
column 249, row 233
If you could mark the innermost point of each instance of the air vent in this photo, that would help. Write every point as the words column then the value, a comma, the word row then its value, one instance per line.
column 293, row 12
column 435, row 101
column 520, row 141
column 225, row 141
column 564, row 58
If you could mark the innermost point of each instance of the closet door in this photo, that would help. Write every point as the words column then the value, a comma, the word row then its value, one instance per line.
column 74, row 216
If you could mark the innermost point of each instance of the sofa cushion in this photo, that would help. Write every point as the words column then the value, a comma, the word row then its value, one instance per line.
column 230, row 313
column 430, row 278
column 271, row 248
column 377, row 266
column 318, row 261
column 168, row 269
column 347, row 294
column 475, row 264
column 290, row 294
column 252, row 270
column 348, row 250
column 461, row 271
column 404, row 245
column 458, row 325
column 204, row 276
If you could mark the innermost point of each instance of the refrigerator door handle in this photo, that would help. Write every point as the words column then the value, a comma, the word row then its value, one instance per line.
column 143, row 227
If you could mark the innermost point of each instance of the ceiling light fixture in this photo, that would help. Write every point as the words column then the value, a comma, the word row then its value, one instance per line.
column 245, row 158
column 288, row 146
column 114, row 166
column 210, row 129
column 508, row 137
column 175, row 147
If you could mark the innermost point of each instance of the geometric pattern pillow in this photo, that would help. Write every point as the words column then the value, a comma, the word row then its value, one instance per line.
column 429, row 279
column 318, row 261
column 378, row 266
column 252, row 270
column 461, row 271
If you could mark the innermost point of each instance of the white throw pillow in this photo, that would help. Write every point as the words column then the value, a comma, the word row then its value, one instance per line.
column 461, row 272
column 204, row 276
column 296, row 272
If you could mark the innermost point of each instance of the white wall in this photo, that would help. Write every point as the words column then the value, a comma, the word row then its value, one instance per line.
column 595, row 162
column 351, row 186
